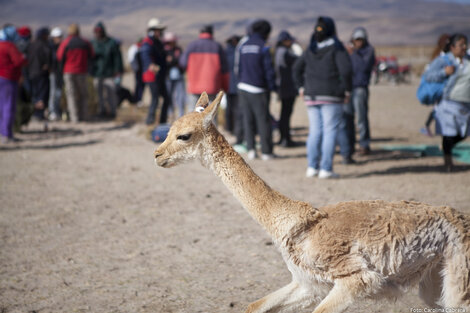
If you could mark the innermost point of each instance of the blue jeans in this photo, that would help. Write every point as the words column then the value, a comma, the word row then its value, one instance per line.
column 347, row 135
column 55, row 94
column 324, row 122
column 177, row 92
column 360, row 101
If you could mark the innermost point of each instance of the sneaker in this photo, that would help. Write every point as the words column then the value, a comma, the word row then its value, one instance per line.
column 364, row 151
column 311, row 172
column 267, row 157
column 240, row 148
column 252, row 155
column 53, row 117
column 348, row 160
column 324, row 174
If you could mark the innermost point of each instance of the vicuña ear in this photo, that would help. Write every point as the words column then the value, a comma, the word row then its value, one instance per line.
column 211, row 110
column 202, row 103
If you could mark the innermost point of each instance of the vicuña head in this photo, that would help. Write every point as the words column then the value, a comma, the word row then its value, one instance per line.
column 184, row 140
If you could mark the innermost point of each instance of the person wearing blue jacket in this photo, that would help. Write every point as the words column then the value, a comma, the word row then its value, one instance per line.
column 453, row 111
column 256, row 78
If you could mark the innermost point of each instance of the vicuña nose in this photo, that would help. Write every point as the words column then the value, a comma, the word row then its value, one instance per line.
column 157, row 154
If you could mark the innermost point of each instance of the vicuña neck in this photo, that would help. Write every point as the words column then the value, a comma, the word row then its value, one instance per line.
column 275, row 212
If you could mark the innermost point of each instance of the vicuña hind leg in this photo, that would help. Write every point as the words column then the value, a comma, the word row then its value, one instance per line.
column 347, row 290
column 290, row 298
column 430, row 287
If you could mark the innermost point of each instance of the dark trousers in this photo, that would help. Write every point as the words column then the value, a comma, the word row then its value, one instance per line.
column 138, row 87
column 158, row 89
column 287, row 106
column 256, row 117
column 347, row 132
column 448, row 143
column 40, row 92
column 234, row 117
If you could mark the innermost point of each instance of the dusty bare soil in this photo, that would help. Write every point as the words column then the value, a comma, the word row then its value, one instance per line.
column 88, row 223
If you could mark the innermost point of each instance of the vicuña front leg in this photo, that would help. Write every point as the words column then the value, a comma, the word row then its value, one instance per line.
column 290, row 298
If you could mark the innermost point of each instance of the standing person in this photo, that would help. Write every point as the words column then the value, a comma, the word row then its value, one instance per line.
column 39, row 56
column 55, row 76
column 206, row 66
column 175, row 80
column 363, row 59
column 323, row 75
column 134, row 59
column 284, row 60
column 453, row 112
column 233, row 112
column 441, row 49
column 74, row 55
column 107, row 66
column 11, row 61
column 154, row 69
column 256, row 80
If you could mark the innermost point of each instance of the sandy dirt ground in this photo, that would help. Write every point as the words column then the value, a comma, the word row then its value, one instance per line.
column 88, row 223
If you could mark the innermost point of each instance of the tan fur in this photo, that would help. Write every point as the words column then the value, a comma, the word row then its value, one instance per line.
column 338, row 253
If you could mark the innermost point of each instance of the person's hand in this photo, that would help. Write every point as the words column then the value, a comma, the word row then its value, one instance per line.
column 450, row 69
column 154, row 68
column 301, row 92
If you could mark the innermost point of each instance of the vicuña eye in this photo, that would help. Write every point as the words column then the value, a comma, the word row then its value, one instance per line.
column 184, row 137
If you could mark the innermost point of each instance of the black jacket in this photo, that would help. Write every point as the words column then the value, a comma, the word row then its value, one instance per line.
column 39, row 55
column 325, row 74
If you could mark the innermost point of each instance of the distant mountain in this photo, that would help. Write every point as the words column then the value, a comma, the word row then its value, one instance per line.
column 389, row 22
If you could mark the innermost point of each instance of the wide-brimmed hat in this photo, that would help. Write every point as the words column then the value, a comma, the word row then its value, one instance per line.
column 154, row 23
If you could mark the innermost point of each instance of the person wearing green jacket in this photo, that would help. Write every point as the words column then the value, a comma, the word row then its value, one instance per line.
column 106, row 70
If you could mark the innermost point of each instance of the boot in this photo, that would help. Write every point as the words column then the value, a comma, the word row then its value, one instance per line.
column 448, row 164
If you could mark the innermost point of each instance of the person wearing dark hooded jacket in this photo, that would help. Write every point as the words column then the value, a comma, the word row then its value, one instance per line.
column 107, row 65
column 323, row 75
column 39, row 56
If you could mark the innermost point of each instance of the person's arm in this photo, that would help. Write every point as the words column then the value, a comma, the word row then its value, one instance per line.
column 298, row 71
column 117, row 60
column 343, row 63
column 269, row 73
column 438, row 70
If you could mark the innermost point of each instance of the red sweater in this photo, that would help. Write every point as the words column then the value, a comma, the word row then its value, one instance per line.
column 11, row 61
column 74, row 53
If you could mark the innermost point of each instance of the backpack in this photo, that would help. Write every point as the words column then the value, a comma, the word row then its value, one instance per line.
column 429, row 93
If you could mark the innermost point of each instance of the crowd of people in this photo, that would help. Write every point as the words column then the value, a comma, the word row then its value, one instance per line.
column 331, row 77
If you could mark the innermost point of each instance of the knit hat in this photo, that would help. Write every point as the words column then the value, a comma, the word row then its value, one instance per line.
column 9, row 33
column 262, row 27
column 169, row 37
column 56, row 32
column 207, row 29
column 24, row 31
column 42, row 33
column 359, row 33
column 99, row 27
column 73, row 29
column 154, row 23
column 284, row 35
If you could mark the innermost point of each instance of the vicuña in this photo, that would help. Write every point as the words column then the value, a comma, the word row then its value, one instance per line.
column 339, row 253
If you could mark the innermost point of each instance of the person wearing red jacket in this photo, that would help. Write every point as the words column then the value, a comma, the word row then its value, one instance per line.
column 74, row 54
column 206, row 66
column 11, row 61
